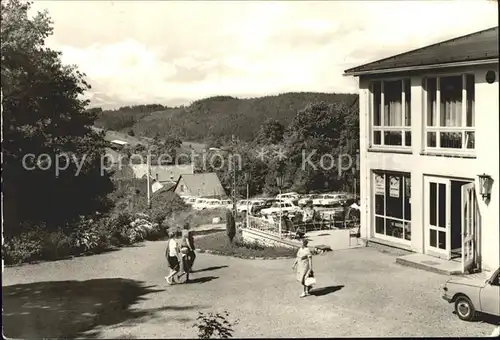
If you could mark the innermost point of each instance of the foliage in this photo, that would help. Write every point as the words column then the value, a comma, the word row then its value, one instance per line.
column 212, row 325
column 215, row 119
column 42, row 114
column 26, row 247
column 270, row 132
column 230, row 225
column 219, row 243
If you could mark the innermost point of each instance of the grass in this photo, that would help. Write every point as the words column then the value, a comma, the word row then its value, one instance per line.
column 219, row 243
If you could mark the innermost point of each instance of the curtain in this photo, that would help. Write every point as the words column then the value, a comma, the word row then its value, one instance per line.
column 407, row 88
column 392, row 103
column 451, row 101
column 431, row 102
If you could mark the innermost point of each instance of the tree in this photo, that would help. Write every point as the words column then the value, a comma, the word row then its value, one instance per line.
column 43, row 114
column 271, row 132
column 230, row 225
column 323, row 134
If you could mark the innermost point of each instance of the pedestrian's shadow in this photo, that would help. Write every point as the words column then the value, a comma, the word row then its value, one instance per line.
column 325, row 290
column 202, row 279
column 208, row 269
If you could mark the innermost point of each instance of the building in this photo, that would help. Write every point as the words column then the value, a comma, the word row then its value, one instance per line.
column 200, row 185
column 164, row 174
column 429, row 151
column 118, row 144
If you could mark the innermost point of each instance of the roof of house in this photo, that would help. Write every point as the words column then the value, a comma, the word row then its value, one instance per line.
column 119, row 142
column 166, row 173
column 478, row 47
column 205, row 184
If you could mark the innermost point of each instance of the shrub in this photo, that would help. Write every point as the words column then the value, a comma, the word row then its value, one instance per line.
column 25, row 247
column 86, row 236
column 56, row 245
column 249, row 245
column 214, row 325
column 230, row 226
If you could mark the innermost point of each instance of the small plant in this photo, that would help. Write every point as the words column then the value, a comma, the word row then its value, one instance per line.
column 212, row 326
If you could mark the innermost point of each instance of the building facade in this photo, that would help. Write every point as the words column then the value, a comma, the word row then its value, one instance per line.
column 429, row 149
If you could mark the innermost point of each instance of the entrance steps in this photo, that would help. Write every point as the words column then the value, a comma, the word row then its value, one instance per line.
column 430, row 263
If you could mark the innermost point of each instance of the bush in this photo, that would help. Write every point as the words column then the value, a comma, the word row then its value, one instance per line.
column 25, row 247
column 219, row 243
column 230, row 226
column 214, row 325
column 56, row 245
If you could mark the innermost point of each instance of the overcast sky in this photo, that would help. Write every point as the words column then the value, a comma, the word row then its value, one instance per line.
column 174, row 52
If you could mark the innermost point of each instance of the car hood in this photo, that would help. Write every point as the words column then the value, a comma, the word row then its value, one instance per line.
column 474, row 280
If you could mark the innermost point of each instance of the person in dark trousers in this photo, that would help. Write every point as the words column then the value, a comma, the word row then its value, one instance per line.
column 187, row 249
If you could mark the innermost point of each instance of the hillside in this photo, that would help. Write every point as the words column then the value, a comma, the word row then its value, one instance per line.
column 215, row 117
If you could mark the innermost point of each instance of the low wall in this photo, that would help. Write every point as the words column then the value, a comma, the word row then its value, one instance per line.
column 268, row 240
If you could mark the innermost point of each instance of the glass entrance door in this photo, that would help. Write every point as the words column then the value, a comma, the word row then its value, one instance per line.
column 437, row 216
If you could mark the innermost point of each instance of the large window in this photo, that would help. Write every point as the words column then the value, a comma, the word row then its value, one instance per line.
column 391, row 113
column 392, row 194
column 450, row 125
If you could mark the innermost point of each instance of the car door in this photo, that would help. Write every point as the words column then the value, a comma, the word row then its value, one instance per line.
column 490, row 296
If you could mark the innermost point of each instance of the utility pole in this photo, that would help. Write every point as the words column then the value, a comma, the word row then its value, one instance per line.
column 247, row 177
column 148, row 166
column 234, row 184
column 279, row 181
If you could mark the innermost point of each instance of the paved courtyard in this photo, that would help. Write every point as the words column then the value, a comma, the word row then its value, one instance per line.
column 122, row 294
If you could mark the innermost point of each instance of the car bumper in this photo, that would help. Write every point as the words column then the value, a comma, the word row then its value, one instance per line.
column 446, row 298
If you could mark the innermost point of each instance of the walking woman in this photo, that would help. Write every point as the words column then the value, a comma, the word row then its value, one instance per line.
column 303, row 265
column 173, row 256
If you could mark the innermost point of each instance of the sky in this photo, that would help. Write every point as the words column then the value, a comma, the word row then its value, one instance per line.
column 175, row 52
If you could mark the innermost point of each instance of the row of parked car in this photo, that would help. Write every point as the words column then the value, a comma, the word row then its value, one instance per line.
column 287, row 203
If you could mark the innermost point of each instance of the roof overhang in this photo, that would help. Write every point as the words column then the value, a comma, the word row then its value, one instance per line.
column 354, row 73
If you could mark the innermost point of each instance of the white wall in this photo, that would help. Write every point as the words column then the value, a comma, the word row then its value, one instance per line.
column 486, row 161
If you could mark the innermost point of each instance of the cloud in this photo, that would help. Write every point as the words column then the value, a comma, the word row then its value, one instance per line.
column 175, row 52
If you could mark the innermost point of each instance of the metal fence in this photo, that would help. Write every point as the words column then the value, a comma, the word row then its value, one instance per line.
column 263, row 224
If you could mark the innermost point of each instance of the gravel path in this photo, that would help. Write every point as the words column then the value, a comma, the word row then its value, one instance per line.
column 122, row 294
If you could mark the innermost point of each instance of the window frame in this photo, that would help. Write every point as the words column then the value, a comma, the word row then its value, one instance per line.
column 406, row 177
column 463, row 129
column 383, row 128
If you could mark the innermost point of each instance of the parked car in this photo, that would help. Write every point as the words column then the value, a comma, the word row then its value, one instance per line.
column 190, row 201
column 327, row 212
column 266, row 203
column 200, row 204
column 306, row 199
column 328, row 199
column 225, row 204
column 243, row 205
column 288, row 196
column 283, row 207
column 206, row 203
column 474, row 293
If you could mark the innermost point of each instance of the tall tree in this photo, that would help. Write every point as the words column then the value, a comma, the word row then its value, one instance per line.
column 271, row 132
column 43, row 113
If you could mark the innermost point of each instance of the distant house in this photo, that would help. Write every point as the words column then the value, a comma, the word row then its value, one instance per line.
column 156, row 186
column 200, row 185
column 118, row 143
column 167, row 175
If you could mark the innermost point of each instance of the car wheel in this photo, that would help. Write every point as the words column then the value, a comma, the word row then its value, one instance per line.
column 464, row 308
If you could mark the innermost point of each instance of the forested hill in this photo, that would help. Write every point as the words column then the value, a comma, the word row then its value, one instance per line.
column 215, row 117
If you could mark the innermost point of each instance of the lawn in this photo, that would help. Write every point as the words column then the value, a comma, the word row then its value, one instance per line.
column 219, row 243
